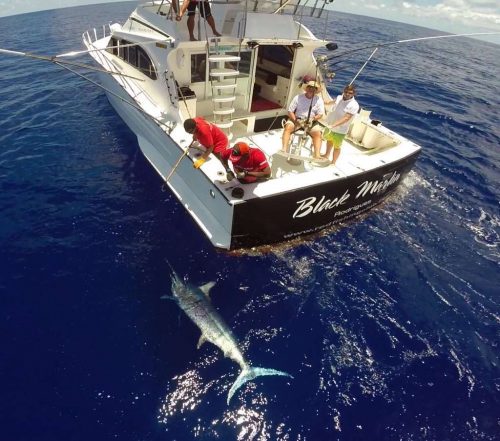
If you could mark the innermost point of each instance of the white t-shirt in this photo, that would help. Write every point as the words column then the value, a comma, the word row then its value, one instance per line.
column 340, row 108
column 300, row 106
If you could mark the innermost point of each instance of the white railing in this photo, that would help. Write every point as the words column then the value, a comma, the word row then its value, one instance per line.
column 90, row 36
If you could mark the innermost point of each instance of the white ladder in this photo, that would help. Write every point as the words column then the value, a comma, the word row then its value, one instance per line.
column 223, row 79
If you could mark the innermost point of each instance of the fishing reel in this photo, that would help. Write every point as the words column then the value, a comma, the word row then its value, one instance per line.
column 326, row 72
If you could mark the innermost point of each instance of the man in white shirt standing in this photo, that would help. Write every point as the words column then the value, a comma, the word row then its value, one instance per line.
column 345, row 107
column 304, row 112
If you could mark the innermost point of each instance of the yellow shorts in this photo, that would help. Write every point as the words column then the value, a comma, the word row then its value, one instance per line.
column 333, row 137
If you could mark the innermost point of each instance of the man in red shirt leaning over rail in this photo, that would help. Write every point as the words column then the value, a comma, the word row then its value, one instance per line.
column 249, row 163
column 209, row 136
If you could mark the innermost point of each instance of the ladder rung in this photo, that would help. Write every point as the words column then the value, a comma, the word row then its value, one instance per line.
column 224, row 86
column 224, row 72
column 223, row 99
column 222, row 57
column 223, row 111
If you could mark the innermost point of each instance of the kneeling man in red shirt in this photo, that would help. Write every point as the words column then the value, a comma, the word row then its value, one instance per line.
column 249, row 163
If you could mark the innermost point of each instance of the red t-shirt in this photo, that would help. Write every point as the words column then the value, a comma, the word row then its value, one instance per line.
column 210, row 135
column 254, row 161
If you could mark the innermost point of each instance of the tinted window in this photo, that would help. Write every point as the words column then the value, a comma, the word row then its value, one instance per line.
column 112, row 49
column 278, row 54
column 122, row 51
column 132, row 55
column 136, row 56
column 198, row 66
column 144, row 63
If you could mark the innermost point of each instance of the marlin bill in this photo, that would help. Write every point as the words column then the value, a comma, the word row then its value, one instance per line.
column 195, row 302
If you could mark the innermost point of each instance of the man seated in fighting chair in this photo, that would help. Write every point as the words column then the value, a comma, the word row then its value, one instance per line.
column 304, row 112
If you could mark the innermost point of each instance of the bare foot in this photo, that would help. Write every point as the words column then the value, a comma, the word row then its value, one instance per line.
column 217, row 34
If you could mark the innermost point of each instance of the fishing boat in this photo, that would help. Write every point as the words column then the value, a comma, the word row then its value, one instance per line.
column 242, row 81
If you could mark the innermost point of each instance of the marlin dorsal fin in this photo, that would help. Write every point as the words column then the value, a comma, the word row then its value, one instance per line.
column 206, row 288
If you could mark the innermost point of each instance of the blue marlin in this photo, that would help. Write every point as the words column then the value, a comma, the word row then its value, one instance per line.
column 195, row 302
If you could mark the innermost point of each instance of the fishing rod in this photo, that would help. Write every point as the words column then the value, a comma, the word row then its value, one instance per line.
column 364, row 65
column 410, row 40
column 56, row 60
column 178, row 162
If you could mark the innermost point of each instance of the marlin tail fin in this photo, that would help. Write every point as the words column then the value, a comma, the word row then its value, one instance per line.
column 249, row 373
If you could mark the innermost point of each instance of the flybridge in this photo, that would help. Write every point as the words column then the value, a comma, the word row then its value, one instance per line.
column 233, row 17
column 293, row 7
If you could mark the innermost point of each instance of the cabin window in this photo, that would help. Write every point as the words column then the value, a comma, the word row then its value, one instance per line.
column 198, row 67
column 144, row 63
column 132, row 55
column 277, row 55
column 112, row 49
column 121, row 49
column 135, row 56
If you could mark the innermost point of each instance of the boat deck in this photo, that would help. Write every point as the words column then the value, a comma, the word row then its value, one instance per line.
column 292, row 175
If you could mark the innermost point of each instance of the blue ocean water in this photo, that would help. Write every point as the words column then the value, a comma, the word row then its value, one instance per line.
column 389, row 326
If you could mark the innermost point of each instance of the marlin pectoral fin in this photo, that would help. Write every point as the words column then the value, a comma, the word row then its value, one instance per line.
column 201, row 341
column 206, row 288
column 166, row 297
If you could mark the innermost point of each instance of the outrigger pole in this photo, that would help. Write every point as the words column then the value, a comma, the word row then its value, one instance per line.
column 377, row 46
column 60, row 62
column 65, row 64
column 435, row 37
column 57, row 58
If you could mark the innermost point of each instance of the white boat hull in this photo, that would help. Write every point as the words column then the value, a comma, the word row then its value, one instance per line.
column 209, row 208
